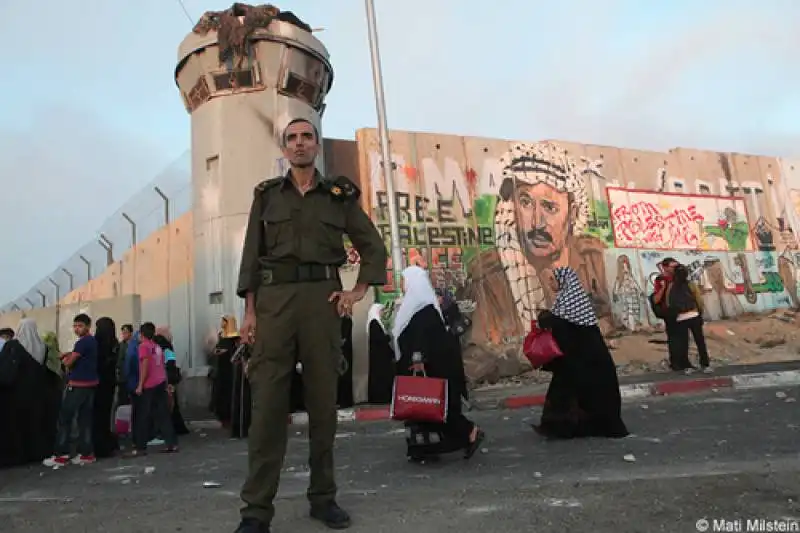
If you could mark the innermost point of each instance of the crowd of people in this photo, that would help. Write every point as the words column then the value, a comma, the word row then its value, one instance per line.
column 61, row 407
column 583, row 399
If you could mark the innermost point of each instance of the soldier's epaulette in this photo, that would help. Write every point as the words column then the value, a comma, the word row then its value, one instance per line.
column 268, row 184
column 342, row 188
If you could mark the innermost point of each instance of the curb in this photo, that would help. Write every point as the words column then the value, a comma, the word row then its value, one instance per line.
column 634, row 391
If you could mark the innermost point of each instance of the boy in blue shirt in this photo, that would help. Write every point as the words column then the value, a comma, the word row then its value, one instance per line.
column 78, row 401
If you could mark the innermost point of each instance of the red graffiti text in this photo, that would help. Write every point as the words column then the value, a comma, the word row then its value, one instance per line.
column 643, row 224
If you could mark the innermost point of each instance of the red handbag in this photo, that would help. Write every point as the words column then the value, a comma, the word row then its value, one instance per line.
column 540, row 347
column 419, row 399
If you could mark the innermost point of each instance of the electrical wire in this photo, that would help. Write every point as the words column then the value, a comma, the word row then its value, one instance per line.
column 186, row 12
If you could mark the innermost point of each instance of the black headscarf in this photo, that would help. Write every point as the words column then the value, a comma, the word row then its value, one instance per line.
column 163, row 342
column 105, row 333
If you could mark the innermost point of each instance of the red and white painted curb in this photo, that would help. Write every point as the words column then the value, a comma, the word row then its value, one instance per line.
column 628, row 392
column 635, row 391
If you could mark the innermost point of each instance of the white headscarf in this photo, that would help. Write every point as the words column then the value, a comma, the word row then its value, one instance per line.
column 418, row 294
column 375, row 314
column 28, row 337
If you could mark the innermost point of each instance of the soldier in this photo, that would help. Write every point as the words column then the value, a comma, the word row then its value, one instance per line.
column 289, row 277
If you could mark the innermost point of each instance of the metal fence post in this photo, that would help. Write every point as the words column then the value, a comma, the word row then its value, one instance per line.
column 108, row 246
column 58, row 304
column 71, row 279
column 88, row 268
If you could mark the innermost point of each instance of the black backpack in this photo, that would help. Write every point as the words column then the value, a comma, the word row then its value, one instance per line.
column 658, row 310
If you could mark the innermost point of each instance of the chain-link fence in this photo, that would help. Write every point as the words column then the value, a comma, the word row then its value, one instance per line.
column 164, row 199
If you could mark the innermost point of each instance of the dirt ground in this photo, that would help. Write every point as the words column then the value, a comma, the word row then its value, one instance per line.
column 747, row 339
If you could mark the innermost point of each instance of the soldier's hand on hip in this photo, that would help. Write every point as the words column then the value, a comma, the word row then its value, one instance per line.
column 345, row 300
column 248, row 329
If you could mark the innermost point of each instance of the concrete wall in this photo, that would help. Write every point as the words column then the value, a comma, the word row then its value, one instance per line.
column 122, row 309
column 491, row 218
column 465, row 215
column 159, row 272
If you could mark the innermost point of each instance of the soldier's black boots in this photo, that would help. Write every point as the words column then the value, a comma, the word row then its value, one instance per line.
column 331, row 515
column 251, row 525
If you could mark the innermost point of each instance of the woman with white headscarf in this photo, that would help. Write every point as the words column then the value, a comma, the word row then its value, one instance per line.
column 583, row 399
column 28, row 337
column 381, row 357
column 420, row 328
column 25, row 421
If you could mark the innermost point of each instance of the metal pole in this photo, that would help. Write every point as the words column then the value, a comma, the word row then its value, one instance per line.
column 108, row 246
column 30, row 303
column 166, row 204
column 383, row 132
column 71, row 279
column 133, row 228
column 169, row 250
column 58, row 304
column 44, row 298
column 88, row 268
column 15, row 306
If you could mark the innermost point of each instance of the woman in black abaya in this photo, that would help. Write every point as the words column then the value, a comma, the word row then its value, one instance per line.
column 420, row 328
column 163, row 338
column 583, row 399
column 105, row 441
column 381, row 358
column 222, row 391
column 24, row 392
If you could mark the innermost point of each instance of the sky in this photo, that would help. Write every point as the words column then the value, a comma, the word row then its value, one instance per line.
column 90, row 112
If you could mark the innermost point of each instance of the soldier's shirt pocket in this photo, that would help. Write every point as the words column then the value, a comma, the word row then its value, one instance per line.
column 332, row 226
column 277, row 219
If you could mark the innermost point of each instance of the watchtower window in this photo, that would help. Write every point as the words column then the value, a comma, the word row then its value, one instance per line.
column 235, row 79
column 199, row 94
column 304, row 77
column 302, row 89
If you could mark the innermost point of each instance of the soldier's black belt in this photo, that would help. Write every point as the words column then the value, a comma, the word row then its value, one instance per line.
column 282, row 274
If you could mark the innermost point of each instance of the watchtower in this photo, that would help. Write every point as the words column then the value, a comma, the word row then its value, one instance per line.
column 243, row 75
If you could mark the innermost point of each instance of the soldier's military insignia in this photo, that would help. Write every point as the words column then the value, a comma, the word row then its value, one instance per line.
column 342, row 189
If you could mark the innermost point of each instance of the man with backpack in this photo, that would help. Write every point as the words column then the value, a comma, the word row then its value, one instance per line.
column 679, row 303
column 658, row 304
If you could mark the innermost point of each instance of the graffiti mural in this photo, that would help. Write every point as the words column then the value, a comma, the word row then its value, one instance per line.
column 671, row 221
column 492, row 218
column 494, row 242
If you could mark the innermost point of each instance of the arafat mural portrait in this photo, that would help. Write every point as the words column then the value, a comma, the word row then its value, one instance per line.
column 492, row 218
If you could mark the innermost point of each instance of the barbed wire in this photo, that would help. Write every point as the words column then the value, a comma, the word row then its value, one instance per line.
column 165, row 198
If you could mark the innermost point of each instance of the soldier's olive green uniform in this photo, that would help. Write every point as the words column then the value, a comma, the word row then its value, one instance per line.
column 292, row 250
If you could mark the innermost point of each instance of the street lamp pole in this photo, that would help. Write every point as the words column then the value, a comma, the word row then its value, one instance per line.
column 386, row 154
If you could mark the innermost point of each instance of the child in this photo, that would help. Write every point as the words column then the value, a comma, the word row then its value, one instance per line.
column 151, row 401
column 78, row 402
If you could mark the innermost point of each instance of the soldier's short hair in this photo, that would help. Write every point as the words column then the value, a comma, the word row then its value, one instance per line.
column 298, row 121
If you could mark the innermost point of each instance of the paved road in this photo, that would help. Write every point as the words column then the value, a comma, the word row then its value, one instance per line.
column 724, row 455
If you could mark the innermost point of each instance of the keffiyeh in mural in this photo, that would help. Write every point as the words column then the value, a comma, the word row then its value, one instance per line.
column 533, row 164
